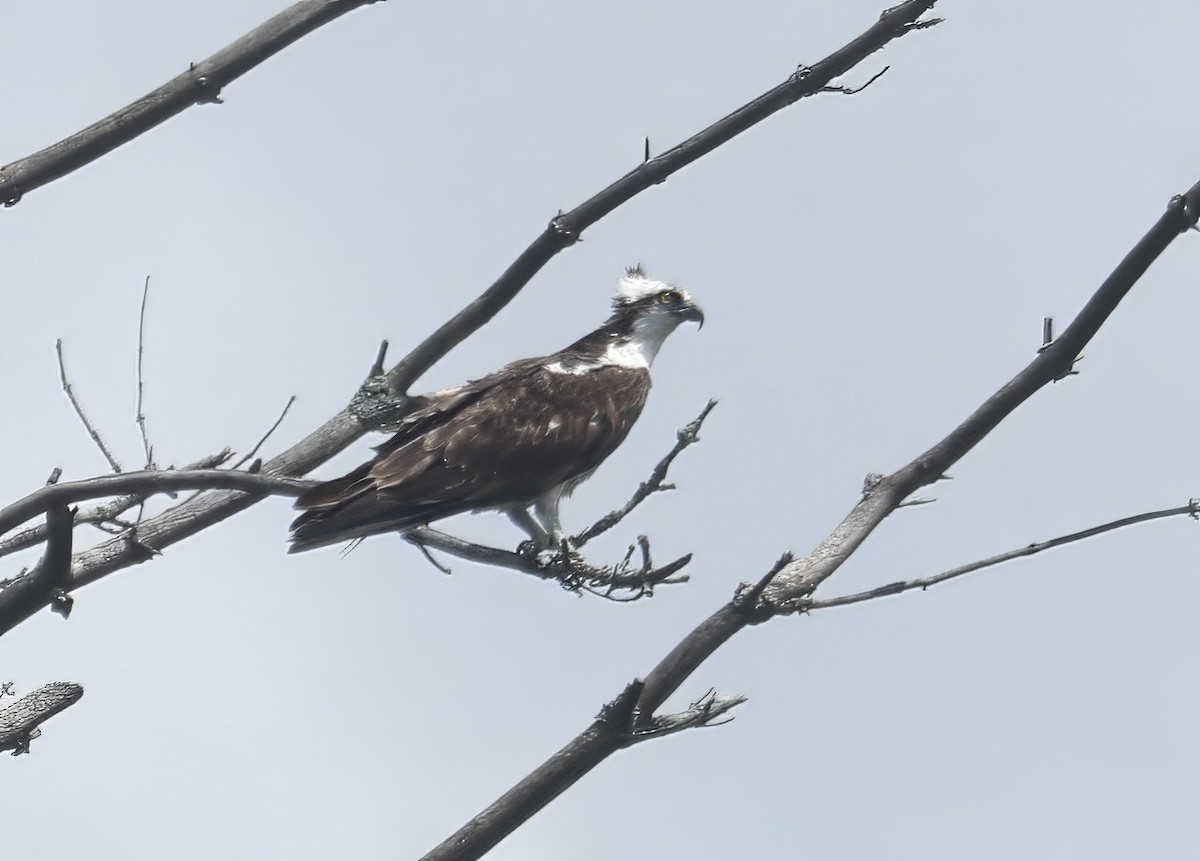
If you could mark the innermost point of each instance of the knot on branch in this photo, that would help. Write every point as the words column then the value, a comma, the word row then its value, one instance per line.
column 566, row 234
column 621, row 712
column 377, row 406
column 209, row 91
column 749, row 596
column 10, row 194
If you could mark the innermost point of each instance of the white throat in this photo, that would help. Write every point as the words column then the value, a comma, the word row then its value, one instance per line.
column 638, row 349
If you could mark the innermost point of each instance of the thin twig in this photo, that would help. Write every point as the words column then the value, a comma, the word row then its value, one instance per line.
column 140, row 418
column 850, row 91
column 250, row 454
column 1192, row 509
column 685, row 437
column 91, row 429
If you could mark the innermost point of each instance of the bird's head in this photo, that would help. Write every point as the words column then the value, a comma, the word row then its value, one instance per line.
column 654, row 306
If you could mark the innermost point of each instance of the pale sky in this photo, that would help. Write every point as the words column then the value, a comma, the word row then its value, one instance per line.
column 872, row 267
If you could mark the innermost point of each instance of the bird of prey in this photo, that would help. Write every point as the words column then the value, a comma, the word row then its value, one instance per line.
column 515, row 441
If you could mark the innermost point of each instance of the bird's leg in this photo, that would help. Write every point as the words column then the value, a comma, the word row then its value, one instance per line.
column 546, row 511
column 523, row 519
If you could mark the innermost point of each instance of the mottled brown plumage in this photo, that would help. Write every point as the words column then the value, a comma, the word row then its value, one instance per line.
column 523, row 436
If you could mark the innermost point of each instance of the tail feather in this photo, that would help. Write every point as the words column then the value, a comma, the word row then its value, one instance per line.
column 358, row 516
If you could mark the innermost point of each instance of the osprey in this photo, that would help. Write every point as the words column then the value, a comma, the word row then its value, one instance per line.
column 518, row 439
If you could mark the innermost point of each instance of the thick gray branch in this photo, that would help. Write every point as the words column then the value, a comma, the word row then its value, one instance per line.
column 19, row 722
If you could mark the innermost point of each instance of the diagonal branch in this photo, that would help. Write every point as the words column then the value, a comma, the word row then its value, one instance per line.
column 201, row 83
column 785, row 588
column 1192, row 509
column 564, row 230
column 788, row 590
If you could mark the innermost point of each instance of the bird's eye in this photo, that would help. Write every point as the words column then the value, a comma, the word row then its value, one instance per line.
column 669, row 297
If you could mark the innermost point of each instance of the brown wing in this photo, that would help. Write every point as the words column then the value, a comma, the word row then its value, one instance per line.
column 508, row 438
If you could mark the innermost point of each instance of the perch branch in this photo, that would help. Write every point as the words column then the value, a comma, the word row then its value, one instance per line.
column 1192, row 509
column 19, row 722
column 568, row 569
column 201, row 83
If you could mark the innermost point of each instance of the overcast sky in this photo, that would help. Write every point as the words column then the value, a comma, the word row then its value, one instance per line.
column 872, row 268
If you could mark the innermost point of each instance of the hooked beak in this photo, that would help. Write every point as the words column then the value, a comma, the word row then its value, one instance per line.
column 694, row 313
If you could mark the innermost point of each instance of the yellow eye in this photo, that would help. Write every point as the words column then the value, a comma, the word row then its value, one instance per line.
column 669, row 297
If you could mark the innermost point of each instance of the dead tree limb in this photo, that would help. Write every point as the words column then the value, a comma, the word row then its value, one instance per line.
column 382, row 399
column 201, row 83
column 564, row 230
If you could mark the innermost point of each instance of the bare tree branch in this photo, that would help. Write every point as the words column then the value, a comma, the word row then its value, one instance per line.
column 201, row 83
column 1192, row 509
column 687, row 435
column 19, row 722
